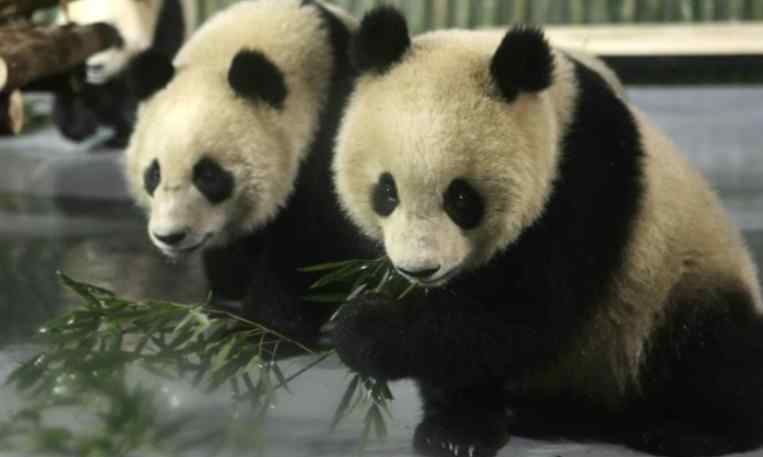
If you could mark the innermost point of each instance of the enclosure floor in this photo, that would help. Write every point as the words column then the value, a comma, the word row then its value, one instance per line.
column 63, row 206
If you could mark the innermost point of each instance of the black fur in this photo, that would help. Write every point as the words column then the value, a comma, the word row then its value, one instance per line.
column 155, row 70
column 253, row 76
column 382, row 40
column 152, row 176
column 384, row 198
column 520, row 311
column 212, row 180
column 311, row 229
column 81, row 107
column 702, row 380
column 522, row 63
column 463, row 204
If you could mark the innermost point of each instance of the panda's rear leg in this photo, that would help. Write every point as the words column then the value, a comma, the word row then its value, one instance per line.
column 709, row 396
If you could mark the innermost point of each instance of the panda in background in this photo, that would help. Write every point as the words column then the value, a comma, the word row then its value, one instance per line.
column 102, row 91
column 233, row 156
column 574, row 268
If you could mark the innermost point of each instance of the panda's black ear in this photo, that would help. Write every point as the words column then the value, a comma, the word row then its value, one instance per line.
column 523, row 62
column 381, row 40
column 255, row 77
column 152, row 72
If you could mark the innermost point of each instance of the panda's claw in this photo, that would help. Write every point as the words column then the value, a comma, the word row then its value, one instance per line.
column 448, row 436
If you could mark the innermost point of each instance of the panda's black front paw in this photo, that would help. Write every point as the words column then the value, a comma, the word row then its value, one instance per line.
column 369, row 337
column 469, row 435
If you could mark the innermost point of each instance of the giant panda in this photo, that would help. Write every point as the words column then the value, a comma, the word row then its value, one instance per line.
column 577, row 276
column 231, row 156
column 101, row 92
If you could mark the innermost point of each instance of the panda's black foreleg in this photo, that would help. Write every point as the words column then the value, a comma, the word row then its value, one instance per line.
column 460, row 352
column 72, row 117
column 465, row 421
column 711, row 400
column 435, row 337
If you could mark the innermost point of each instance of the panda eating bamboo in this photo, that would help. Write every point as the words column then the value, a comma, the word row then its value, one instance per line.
column 576, row 269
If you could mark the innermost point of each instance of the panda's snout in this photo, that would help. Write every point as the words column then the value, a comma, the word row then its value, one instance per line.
column 171, row 239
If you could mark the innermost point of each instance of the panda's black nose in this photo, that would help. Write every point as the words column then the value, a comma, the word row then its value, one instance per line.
column 420, row 274
column 171, row 239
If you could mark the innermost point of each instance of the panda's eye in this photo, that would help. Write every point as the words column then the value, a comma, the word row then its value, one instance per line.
column 384, row 198
column 463, row 204
column 151, row 177
column 212, row 180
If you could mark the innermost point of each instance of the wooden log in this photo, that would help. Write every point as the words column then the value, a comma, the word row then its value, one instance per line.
column 11, row 112
column 13, row 8
column 3, row 73
column 30, row 53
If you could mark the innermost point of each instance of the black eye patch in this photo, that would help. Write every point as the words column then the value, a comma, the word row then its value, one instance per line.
column 384, row 197
column 463, row 204
column 212, row 180
column 151, row 177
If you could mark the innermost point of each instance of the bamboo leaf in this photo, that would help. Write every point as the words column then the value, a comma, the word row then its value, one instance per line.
column 342, row 408
column 378, row 420
column 282, row 382
column 325, row 298
column 328, row 266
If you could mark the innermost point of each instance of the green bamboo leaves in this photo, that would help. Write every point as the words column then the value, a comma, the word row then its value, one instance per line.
column 373, row 396
column 91, row 350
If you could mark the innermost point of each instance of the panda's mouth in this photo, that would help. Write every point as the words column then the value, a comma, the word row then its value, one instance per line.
column 434, row 281
column 186, row 250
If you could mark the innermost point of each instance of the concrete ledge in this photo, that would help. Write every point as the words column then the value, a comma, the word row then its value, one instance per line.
column 666, row 40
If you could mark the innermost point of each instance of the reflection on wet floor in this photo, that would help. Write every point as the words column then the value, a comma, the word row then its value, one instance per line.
column 65, row 208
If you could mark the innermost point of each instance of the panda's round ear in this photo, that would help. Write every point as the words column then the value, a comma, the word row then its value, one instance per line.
column 523, row 62
column 153, row 71
column 381, row 40
column 253, row 76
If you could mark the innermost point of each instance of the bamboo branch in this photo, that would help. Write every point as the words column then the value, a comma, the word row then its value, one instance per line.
column 11, row 113
column 29, row 53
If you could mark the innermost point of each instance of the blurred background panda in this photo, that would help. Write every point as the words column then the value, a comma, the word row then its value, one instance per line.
column 231, row 156
column 101, row 92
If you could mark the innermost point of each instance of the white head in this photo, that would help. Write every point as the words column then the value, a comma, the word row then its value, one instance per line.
column 215, row 153
column 448, row 147
column 135, row 21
